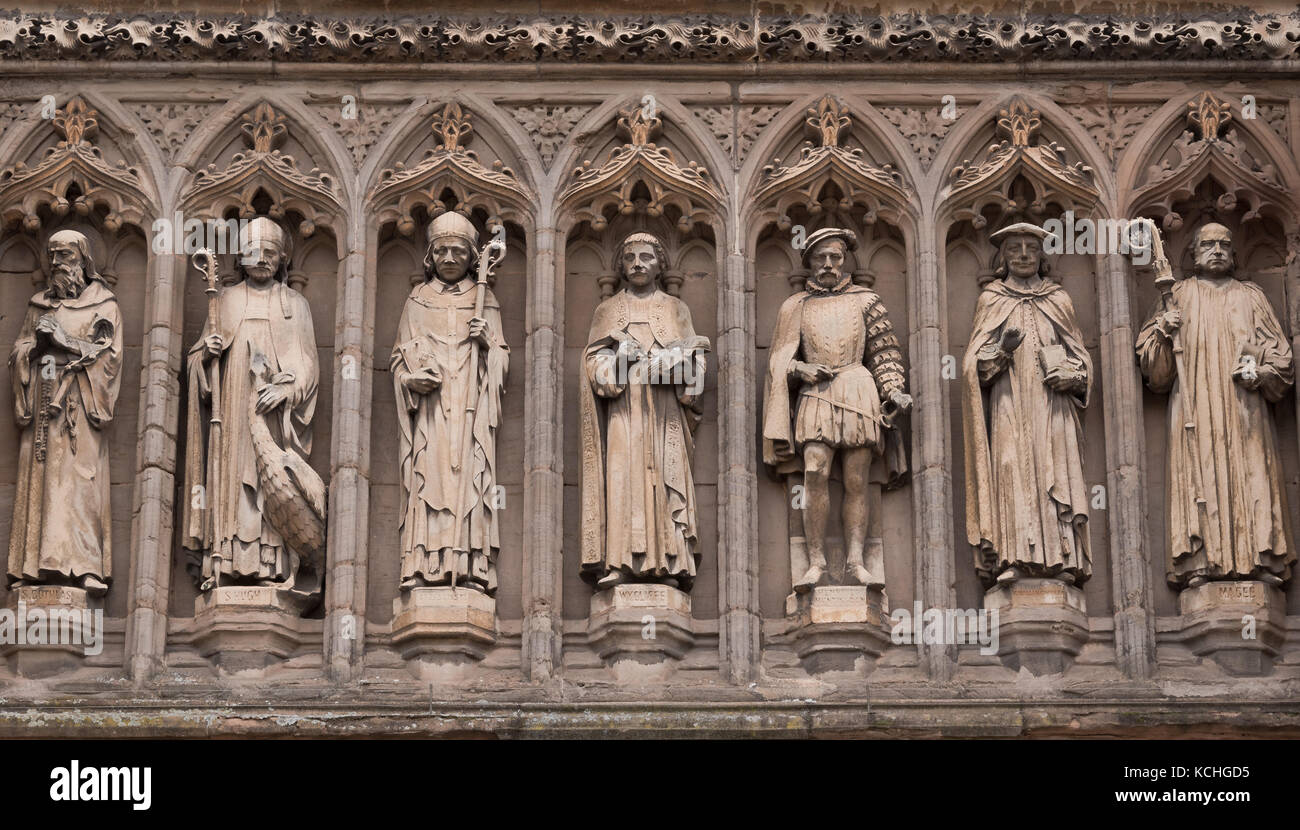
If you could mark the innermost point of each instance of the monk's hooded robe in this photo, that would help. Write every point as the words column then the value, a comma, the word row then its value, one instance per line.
column 1026, row 500
column 1245, row 526
column 62, row 521
column 638, row 489
column 276, row 323
column 449, row 525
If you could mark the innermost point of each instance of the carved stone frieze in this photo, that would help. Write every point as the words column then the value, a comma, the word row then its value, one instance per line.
column 698, row 38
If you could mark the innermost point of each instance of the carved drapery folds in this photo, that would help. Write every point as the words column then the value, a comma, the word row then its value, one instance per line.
column 73, row 176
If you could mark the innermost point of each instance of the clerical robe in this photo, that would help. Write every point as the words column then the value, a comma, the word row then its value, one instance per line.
column 274, row 321
column 62, row 512
column 449, row 524
column 1244, row 525
column 1026, row 499
column 638, row 488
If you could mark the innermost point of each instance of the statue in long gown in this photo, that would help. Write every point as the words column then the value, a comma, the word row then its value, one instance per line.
column 265, row 495
column 448, row 414
column 642, row 379
column 1225, row 490
column 1025, row 376
column 834, row 350
column 66, row 371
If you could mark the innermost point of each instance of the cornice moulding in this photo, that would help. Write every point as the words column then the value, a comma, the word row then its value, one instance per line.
column 703, row 38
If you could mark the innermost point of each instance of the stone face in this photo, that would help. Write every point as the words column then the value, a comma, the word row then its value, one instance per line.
column 710, row 134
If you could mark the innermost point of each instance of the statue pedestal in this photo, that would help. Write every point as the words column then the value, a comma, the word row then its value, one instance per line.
column 644, row 623
column 1042, row 624
column 246, row 626
column 441, row 625
column 1240, row 625
column 839, row 625
column 54, row 628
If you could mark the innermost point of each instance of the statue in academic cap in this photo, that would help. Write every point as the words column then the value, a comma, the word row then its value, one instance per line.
column 65, row 369
column 835, row 354
column 448, row 413
column 1025, row 376
column 260, row 333
column 642, row 380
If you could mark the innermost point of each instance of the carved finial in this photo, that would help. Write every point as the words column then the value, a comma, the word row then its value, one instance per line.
column 828, row 122
column 76, row 122
column 452, row 126
column 263, row 129
column 1019, row 122
column 639, row 125
column 1208, row 115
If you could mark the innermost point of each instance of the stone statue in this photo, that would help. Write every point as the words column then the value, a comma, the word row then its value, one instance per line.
column 642, row 379
column 448, row 413
column 835, row 351
column 1026, row 501
column 1216, row 346
column 253, row 508
column 65, row 368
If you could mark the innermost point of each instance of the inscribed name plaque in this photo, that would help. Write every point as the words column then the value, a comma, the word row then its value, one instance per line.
column 1239, row 625
column 1042, row 623
column 443, row 622
column 839, row 628
column 644, row 622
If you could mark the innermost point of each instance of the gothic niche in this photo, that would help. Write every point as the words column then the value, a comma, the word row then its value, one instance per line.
column 258, row 335
column 1022, row 325
column 650, row 303
column 441, row 473
column 1210, row 175
column 831, row 172
column 75, row 201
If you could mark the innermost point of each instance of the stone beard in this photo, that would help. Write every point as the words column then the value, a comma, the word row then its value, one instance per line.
column 835, row 353
column 1238, row 360
column 1026, row 498
column 639, row 509
column 266, row 340
column 65, row 368
column 449, row 525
